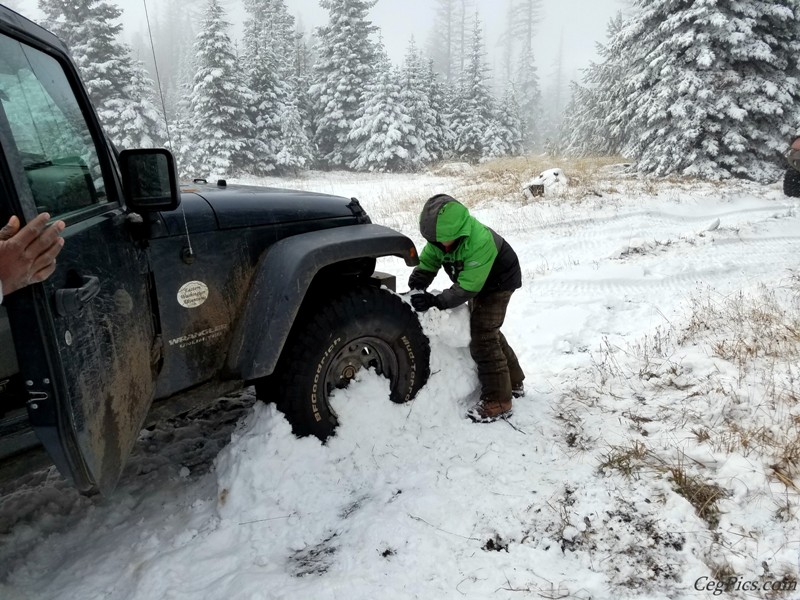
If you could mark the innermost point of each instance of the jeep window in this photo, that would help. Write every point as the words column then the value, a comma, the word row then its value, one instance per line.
column 49, row 130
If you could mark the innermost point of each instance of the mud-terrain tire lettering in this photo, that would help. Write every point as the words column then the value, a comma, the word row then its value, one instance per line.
column 335, row 336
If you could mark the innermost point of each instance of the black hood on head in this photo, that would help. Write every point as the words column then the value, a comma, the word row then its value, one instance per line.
column 430, row 214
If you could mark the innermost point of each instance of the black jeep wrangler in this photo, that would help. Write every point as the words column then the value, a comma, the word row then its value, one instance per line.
column 167, row 295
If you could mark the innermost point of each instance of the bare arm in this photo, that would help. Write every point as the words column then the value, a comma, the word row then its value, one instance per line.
column 28, row 255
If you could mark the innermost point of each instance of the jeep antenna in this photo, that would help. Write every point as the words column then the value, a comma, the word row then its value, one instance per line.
column 190, row 255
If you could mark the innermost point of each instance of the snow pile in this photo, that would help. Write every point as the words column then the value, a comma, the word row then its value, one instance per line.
column 264, row 466
column 553, row 182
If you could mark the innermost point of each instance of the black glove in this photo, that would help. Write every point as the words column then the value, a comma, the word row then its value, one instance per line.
column 419, row 280
column 424, row 301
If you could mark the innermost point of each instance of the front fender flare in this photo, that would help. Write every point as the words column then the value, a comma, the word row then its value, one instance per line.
column 283, row 275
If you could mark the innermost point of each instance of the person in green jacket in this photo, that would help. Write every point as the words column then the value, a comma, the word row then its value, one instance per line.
column 485, row 272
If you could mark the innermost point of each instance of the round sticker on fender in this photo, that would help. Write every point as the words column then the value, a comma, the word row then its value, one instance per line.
column 192, row 294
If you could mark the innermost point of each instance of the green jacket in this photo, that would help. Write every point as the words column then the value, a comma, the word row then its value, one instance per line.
column 471, row 263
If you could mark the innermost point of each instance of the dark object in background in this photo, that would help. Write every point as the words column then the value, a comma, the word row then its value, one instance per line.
column 791, row 179
column 536, row 190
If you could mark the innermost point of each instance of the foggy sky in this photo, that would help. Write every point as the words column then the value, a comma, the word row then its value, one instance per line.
column 579, row 23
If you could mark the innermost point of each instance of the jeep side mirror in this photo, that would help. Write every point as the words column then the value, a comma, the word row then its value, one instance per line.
column 149, row 180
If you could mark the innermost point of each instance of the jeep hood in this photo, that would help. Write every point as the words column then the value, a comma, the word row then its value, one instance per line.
column 210, row 206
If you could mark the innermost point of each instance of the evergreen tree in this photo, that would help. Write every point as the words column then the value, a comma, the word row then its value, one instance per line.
column 280, row 140
column 173, row 37
column 712, row 87
column 440, row 143
column 382, row 133
column 90, row 29
column 475, row 108
column 183, row 106
column 415, row 97
column 118, row 88
column 443, row 47
column 529, row 97
column 137, row 122
column 592, row 120
column 581, row 126
column 303, row 68
column 527, row 14
column 218, row 141
column 347, row 57
column 509, row 124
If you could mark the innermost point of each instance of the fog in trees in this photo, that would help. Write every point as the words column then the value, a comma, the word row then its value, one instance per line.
column 706, row 90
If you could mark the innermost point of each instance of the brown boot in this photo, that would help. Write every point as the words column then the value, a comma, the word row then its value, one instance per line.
column 487, row 411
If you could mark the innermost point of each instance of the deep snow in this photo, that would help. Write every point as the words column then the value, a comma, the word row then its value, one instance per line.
column 415, row 501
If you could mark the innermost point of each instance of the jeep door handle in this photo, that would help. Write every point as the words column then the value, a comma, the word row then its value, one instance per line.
column 71, row 300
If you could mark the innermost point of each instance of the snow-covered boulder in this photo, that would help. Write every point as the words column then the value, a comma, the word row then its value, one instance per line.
column 551, row 182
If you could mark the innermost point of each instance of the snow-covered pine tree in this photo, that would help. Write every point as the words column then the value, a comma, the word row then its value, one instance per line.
column 529, row 96
column 510, row 123
column 280, row 140
column 303, row 68
column 346, row 62
column 580, row 123
column 503, row 137
column 136, row 122
column 382, row 133
column 90, row 29
column 475, row 112
column 173, row 33
column 181, row 124
column 294, row 149
column 440, row 144
column 116, row 85
column 220, row 133
column 591, row 124
column 442, row 46
column 415, row 98
column 712, row 87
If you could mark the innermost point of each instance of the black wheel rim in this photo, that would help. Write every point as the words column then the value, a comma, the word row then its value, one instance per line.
column 360, row 353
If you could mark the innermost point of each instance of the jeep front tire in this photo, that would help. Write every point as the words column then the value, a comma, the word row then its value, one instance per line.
column 365, row 327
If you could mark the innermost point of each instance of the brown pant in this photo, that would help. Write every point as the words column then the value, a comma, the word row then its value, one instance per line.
column 498, row 367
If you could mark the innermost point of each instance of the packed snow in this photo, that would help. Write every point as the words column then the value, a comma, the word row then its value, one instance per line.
column 634, row 393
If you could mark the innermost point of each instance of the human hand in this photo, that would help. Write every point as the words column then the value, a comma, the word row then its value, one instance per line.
column 28, row 255
column 424, row 301
column 418, row 280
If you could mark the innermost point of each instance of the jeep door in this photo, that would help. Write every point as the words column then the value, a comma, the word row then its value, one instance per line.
column 84, row 338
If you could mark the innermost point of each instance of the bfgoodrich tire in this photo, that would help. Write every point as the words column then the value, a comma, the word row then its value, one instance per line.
column 791, row 183
column 366, row 327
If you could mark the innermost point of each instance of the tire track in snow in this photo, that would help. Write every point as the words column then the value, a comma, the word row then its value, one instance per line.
column 607, row 237
column 599, row 226
column 738, row 258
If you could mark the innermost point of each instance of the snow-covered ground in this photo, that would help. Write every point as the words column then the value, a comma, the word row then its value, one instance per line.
column 655, row 454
